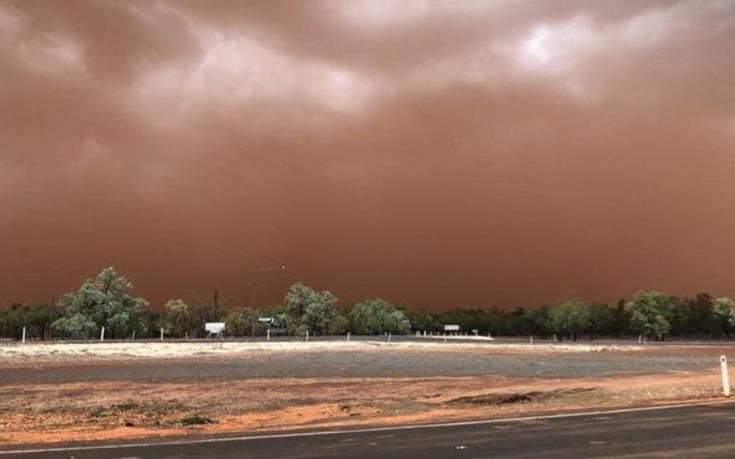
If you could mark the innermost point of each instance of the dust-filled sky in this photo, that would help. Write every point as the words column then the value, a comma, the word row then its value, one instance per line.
column 435, row 153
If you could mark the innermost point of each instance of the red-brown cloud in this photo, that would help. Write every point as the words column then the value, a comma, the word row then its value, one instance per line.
column 438, row 154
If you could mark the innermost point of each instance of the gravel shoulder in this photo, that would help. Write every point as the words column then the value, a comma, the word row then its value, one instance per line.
column 182, row 362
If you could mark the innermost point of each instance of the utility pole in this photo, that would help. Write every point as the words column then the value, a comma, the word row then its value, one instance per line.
column 216, row 295
column 281, row 267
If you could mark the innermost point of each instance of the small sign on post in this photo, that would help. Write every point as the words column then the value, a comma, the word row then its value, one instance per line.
column 725, row 376
column 214, row 328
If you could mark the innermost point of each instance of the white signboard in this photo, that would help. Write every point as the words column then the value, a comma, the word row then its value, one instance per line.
column 451, row 327
column 214, row 327
column 266, row 320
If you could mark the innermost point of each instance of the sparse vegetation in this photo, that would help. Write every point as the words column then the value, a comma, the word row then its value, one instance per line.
column 105, row 301
column 195, row 420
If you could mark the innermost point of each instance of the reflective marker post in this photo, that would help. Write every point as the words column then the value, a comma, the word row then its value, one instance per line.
column 725, row 376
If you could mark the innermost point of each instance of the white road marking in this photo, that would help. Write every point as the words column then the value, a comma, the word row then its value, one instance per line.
column 359, row 431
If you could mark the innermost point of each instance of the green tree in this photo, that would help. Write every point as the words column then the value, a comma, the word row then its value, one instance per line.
column 37, row 318
column 538, row 320
column 244, row 321
column 602, row 320
column 650, row 313
column 177, row 320
column 102, row 301
column 724, row 313
column 571, row 318
column 339, row 325
column 700, row 317
column 422, row 320
column 307, row 309
column 376, row 315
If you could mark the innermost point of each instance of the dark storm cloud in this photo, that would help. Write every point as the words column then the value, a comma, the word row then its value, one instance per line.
column 436, row 153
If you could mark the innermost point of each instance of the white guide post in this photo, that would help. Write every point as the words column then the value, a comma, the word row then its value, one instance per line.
column 133, row 338
column 348, row 337
column 307, row 335
column 531, row 339
column 725, row 376
column 389, row 337
column 23, row 339
column 102, row 334
column 161, row 333
column 268, row 334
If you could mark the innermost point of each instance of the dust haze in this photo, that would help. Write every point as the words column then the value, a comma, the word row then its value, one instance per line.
column 438, row 154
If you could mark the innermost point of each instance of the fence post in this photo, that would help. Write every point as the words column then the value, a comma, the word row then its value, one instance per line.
column 102, row 334
column 23, row 339
column 725, row 376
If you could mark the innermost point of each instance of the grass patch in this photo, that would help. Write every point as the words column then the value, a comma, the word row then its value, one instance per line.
column 517, row 397
column 195, row 420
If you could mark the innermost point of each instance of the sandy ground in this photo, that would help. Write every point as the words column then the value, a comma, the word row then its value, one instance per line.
column 84, row 409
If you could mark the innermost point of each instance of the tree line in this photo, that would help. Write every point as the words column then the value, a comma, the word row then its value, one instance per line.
column 106, row 301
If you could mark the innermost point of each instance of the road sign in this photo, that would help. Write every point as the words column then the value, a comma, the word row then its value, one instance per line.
column 451, row 327
column 214, row 327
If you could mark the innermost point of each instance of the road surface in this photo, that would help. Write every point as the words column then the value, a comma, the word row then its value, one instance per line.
column 684, row 431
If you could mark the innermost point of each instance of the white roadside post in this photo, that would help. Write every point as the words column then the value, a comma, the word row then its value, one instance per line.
column 23, row 339
column 531, row 339
column 268, row 334
column 388, row 337
column 102, row 334
column 307, row 335
column 161, row 333
column 725, row 376
column 133, row 338
column 348, row 337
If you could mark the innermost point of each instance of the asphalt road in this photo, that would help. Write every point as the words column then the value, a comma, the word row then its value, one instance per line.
column 693, row 431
